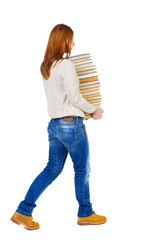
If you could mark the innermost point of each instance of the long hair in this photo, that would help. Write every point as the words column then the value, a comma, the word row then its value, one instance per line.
column 59, row 42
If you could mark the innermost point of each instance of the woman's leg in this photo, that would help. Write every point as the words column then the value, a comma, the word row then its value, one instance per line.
column 80, row 157
column 74, row 137
column 57, row 156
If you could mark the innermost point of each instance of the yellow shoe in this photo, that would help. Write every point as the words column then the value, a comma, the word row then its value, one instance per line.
column 94, row 219
column 26, row 221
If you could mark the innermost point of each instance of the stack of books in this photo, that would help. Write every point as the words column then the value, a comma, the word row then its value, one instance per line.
column 89, row 84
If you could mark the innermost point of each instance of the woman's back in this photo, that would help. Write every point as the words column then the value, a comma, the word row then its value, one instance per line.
column 62, row 92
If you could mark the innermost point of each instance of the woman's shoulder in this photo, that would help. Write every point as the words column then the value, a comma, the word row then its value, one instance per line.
column 62, row 64
column 67, row 61
column 66, row 67
column 66, row 64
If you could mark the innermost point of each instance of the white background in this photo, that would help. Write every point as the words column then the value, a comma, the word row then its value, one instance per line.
column 117, row 34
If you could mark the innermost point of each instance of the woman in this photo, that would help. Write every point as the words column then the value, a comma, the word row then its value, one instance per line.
column 66, row 131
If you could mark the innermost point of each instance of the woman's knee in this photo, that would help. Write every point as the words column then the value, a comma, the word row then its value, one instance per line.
column 53, row 170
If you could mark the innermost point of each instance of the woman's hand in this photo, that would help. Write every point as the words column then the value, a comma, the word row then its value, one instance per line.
column 97, row 114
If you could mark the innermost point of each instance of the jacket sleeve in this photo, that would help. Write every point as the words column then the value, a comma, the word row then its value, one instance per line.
column 71, row 86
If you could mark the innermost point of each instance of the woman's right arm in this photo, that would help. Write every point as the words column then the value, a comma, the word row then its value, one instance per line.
column 71, row 86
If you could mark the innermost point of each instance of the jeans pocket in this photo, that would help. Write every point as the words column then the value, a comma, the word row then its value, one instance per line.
column 67, row 135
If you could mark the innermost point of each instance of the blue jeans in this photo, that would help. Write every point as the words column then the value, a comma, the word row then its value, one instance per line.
column 64, row 136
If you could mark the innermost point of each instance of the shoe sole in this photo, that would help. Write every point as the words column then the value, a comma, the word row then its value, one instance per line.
column 14, row 220
column 90, row 223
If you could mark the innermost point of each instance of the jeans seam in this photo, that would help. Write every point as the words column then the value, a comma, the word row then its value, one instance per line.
column 24, row 212
column 74, row 123
column 86, row 215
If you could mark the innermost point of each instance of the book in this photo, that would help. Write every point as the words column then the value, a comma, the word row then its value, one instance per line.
column 89, row 84
column 81, row 56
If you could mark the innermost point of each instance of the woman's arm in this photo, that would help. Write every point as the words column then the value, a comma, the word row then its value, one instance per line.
column 71, row 86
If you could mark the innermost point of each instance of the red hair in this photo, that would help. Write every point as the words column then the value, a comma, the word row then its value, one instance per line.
column 59, row 42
